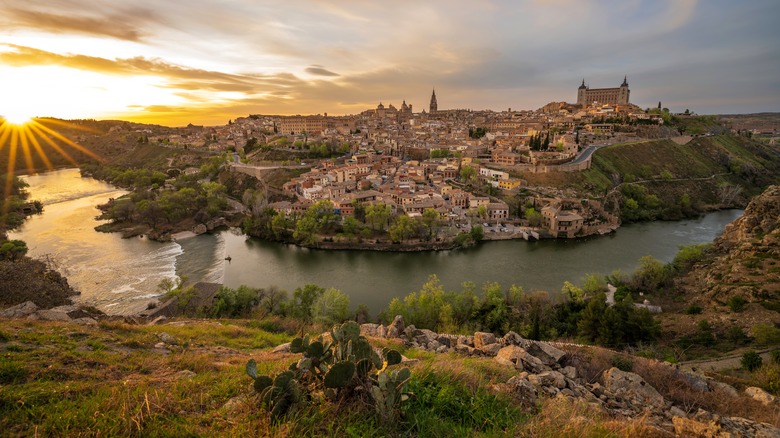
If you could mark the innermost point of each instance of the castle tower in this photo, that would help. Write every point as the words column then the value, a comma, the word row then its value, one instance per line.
column 434, row 106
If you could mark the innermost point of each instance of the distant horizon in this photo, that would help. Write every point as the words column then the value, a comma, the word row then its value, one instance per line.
column 153, row 62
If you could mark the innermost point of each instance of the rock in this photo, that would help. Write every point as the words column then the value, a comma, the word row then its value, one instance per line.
column 481, row 339
column 722, row 427
column 283, row 348
column 548, row 354
column 168, row 339
column 369, row 330
column 409, row 331
column 447, row 340
column 199, row 229
column 233, row 403
column 381, row 331
column 723, row 387
column 696, row 381
column 442, row 349
column 23, row 310
column 490, row 349
column 632, row 387
column 464, row 349
column 548, row 378
column 51, row 315
column 159, row 320
column 520, row 359
column 185, row 374
column 433, row 345
column 395, row 328
column 569, row 372
column 425, row 336
column 522, row 390
column 85, row 321
column 674, row 411
column 759, row 394
column 512, row 338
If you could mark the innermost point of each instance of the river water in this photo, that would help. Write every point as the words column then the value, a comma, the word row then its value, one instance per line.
column 121, row 275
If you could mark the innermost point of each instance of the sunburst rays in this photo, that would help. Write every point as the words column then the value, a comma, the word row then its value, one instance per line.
column 23, row 135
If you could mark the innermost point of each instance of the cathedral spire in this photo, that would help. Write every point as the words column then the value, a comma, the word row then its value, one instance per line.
column 625, row 81
column 434, row 105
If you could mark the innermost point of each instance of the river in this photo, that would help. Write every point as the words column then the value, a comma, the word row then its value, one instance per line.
column 121, row 275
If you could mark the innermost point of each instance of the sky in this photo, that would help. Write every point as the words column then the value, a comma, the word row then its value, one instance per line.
column 205, row 61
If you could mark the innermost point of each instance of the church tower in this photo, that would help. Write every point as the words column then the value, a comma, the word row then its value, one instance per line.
column 581, row 99
column 623, row 96
column 434, row 106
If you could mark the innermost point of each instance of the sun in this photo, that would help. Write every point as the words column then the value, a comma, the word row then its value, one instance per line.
column 16, row 117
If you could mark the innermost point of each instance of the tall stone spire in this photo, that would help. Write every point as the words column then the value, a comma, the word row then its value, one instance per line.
column 434, row 106
column 625, row 81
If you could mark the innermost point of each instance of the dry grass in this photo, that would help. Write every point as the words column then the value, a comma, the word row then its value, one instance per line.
column 565, row 417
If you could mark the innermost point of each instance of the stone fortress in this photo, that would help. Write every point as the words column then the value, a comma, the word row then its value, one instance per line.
column 615, row 96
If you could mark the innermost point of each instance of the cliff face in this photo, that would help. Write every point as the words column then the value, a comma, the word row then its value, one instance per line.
column 746, row 262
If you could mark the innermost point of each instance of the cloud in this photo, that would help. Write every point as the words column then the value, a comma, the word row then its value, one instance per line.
column 319, row 70
column 115, row 24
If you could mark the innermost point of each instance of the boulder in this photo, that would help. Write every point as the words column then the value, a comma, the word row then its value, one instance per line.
column 23, row 310
column 548, row 378
column 490, row 349
column 166, row 338
column 369, row 330
column 408, row 332
column 512, row 338
column 723, row 387
column 442, row 349
column 520, row 359
column 481, row 339
column 283, row 348
column 548, row 354
column 395, row 328
column 726, row 427
column 51, row 315
column 427, row 336
column 159, row 320
column 381, row 331
column 464, row 349
column 185, row 374
column 697, row 382
column 522, row 390
column 760, row 395
column 199, row 229
column 570, row 372
column 633, row 388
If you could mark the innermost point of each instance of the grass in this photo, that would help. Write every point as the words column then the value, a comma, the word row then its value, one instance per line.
column 60, row 379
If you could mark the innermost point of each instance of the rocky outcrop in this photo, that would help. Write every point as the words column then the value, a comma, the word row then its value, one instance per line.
column 743, row 262
column 546, row 371
column 67, row 313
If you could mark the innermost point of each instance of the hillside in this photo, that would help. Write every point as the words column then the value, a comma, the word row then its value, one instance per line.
column 116, row 377
column 737, row 285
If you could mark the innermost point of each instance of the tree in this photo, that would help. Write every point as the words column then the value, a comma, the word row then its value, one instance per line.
column 305, row 229
column 533, row 217
column 751, row 361
column 331, row 307
column 303, row 299
column 431, row 220
column 13, row 250
column 468, row 174
column 377, row 216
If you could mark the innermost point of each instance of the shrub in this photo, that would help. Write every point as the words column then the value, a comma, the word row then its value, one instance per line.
column 693, row 309
column 751, row 361
column 775, row 354
column 736, row 335
column 765, row 334
column 737, row 303
column 623, row 363
column 331, row 307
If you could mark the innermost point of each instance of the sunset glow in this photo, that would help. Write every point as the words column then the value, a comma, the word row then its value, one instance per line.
column 151, row 63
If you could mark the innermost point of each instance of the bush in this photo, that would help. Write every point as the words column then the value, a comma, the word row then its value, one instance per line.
column 693, row 309
column 622, row 363
column 775, row 354
column 751, row 361
column 765, row 334
column 737, row 303
column 736, row 335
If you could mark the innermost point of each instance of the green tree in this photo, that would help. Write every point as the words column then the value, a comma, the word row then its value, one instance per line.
column 377, row 216
column 430, row 218
column 468, row 174
column 331, row 307
column 533, row 217
column 303, row 299
column 13, row 250
column 305, row 230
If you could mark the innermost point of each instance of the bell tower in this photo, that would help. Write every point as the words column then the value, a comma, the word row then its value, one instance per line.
column 434, row 106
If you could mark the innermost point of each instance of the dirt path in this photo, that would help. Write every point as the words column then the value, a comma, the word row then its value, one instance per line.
column 723, row 363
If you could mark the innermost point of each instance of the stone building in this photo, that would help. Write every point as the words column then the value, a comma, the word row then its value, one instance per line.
column 615, row 96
